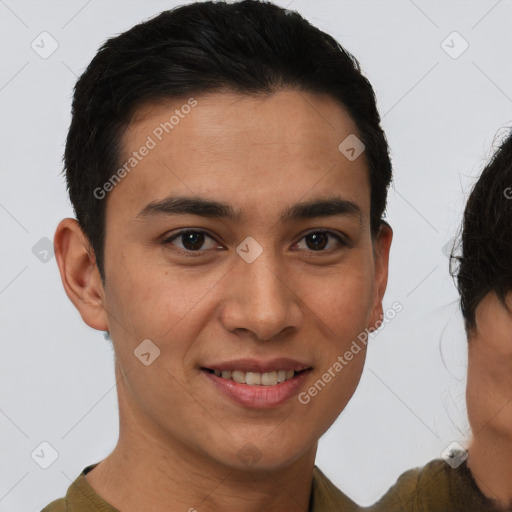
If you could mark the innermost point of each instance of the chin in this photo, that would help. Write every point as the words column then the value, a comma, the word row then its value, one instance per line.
column 257, row 456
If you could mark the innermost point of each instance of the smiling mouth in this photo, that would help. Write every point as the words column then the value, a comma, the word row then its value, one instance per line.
column 256, row 378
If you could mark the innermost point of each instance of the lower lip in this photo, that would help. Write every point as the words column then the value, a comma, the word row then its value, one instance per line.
column 260, row 397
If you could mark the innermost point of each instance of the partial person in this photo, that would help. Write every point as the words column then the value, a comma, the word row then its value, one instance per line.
column 478, row 479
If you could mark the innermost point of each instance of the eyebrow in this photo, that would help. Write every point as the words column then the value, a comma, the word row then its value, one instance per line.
column 183, row 205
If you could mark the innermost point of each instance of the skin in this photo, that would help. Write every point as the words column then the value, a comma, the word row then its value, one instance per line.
column 489, row 399
column 180, row 439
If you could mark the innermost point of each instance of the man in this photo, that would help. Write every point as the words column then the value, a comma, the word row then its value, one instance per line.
column 229, row 177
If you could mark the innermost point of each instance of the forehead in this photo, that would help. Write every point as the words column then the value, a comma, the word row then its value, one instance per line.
column 256, row 149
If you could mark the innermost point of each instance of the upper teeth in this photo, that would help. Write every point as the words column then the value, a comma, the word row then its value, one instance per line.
column 255, row 378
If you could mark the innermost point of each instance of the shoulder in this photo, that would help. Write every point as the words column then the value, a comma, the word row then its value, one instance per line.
column 80, row 497
column 56, row 506
column 435, row 487
column 326, row 497
column 419, row 489
column 402, row 495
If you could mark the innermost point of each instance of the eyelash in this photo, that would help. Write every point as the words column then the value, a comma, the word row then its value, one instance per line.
column 200, row 252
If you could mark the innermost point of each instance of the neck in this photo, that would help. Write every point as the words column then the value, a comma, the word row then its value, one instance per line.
column 490, row 462
column 149, row 471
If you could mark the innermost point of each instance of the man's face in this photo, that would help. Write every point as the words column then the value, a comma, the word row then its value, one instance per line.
column 255, row 292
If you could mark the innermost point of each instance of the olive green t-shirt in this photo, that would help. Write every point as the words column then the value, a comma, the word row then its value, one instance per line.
column 437, row 487
column 81, row 497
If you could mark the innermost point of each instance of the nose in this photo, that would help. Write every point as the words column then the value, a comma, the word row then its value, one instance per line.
column 259, row 300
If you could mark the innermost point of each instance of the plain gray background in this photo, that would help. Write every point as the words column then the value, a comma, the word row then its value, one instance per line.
column 442, row 110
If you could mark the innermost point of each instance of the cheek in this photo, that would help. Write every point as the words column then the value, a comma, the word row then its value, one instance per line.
column 489, row 380
column 168, row 308
column 340, row 300
column 480, row 395
column 150, row 299
column 336, row 381
column 340, row 308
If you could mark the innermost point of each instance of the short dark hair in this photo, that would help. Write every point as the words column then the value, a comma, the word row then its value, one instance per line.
column 484, row 264
column 250, row 47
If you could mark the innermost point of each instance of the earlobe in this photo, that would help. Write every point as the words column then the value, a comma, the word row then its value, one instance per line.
column 79, row 273
column 376, row 318
column 382, row 244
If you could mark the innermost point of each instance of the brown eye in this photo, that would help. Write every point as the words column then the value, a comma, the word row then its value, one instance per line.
column 318, row 241
column 191, row 240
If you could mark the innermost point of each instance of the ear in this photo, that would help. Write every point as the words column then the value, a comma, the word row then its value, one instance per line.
column 381, row 247
column 79, row 273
